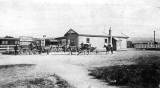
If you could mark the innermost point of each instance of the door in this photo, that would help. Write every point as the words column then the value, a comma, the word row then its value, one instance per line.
column 118, row 45
column 72, row 42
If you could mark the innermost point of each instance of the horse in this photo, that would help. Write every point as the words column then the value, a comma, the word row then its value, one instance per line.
column 84, row 48
column 68, row 48
column 108, row 48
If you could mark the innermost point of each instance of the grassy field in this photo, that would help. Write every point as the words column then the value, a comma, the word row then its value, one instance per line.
column 20, row 76
column 144, row 72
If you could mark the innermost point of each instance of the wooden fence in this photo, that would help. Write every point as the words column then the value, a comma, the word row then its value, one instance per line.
column 10, row 48
column 6, row 48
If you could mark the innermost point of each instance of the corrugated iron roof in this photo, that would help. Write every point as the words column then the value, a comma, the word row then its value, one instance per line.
column 97, row 33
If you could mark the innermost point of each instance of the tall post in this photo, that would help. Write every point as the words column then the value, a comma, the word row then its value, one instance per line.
column 43, row 41
column 154, row 40
column 154, row 37
column 44, row 37
column 110, row 34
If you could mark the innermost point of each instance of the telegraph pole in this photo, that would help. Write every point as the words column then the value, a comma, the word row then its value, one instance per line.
column 154, row 38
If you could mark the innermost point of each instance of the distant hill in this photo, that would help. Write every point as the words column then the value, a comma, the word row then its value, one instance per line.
column 142, row 39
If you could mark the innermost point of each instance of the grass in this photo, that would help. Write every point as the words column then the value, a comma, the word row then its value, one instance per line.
column 145, row 73
column 15, row 65
column 39, row 83
column 18, row 77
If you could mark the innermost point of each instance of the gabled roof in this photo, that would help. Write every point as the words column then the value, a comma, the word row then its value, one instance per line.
column 95, row 33
column 71, row 31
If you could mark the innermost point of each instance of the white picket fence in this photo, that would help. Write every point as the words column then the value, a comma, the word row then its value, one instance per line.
column 6, row 48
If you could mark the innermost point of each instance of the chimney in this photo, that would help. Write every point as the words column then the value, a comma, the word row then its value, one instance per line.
column 110, row 31
column 110, row 34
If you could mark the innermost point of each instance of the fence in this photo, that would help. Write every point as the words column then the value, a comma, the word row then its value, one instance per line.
column 146, row 46
column 6, row 48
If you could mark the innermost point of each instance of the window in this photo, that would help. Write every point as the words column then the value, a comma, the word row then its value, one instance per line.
column 87, row 40
column 105, row 40
column 16, row 42
column 4, row 42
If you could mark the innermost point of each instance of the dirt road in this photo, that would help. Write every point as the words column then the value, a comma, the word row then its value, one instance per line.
column 73, row 69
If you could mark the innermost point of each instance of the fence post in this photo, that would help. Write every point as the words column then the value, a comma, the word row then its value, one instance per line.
column 8, row 49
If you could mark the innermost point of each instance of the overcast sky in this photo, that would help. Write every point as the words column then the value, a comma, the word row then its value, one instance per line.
column 135, row 18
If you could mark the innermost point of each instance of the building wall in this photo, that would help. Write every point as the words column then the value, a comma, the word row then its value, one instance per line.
column 9, row 42
column 129, row 44
column 63, row 42
column 123, row 43
column 114, row 43
column 72, row 36
column 94, row 41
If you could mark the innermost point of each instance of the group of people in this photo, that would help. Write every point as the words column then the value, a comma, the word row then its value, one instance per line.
column 34, row 48
column 86, row 48
column 72, row 48
column 83, row 47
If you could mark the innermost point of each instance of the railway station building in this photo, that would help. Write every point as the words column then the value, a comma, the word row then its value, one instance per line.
column 76, row 37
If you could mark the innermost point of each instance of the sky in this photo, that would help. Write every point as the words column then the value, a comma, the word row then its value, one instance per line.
column 53, row 18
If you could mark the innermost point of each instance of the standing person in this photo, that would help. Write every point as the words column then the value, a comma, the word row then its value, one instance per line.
column 111, row 48
column 40, row 49
column 47, row 48
column 107, row 48
column 88, row 47
column 64, row 48
column 15, row 49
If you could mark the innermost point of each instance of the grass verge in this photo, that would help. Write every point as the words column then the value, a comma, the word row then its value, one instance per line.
column 145, row 73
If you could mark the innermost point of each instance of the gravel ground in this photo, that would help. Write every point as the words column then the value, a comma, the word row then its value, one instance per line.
column 72, row 68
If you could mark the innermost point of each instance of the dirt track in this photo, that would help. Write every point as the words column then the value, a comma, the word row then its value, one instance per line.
column 74, row 69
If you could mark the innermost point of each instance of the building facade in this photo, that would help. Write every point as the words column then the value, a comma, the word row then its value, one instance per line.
column 98, row 41
column 9, row 41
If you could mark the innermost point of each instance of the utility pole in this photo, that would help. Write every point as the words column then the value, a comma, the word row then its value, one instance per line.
column 154, row 38
column 43, row 41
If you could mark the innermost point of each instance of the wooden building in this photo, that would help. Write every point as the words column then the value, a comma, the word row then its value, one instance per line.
column 129, row 44
column 96, row 39
column 61, row 40
column 9, row 41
